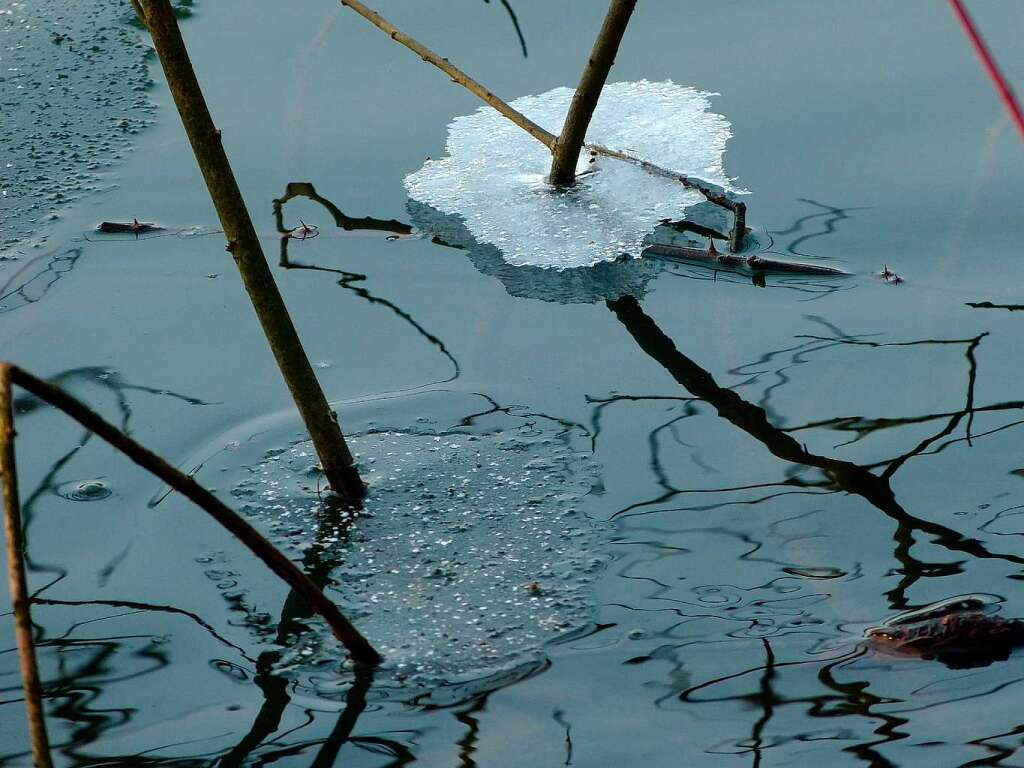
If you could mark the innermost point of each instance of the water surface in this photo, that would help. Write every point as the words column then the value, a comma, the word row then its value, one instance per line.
column 779, row 467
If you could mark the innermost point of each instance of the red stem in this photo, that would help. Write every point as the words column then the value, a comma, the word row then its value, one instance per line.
column 1005, row 92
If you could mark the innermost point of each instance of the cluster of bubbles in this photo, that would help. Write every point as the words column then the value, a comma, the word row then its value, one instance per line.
column 494, row 175
column 470, row 553
column 73, row 92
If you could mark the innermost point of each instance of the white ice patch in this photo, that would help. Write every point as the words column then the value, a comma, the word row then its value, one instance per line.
column 473, row 552
column 495, row 174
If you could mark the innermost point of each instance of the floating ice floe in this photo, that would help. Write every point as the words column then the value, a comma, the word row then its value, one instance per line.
column 494, row 176
column 473, row 551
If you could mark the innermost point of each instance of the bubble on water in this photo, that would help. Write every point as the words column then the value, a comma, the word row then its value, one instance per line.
column 84, row 490
column 494, row 175
column 470, row 553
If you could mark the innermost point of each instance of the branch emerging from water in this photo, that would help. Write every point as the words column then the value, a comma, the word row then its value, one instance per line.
column 584, row 101
column 546, row 138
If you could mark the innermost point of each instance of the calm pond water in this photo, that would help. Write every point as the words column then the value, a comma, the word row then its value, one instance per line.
column 750, row 477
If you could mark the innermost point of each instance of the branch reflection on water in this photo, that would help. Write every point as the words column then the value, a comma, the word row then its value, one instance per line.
column 838, row 475
column 348, row 280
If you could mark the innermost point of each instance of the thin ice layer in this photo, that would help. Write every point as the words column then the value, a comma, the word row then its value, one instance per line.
column 473, row 549
column 73, row 93
column 494, row 174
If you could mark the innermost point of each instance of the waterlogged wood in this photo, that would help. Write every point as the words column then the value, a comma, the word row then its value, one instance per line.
column 342, row 628
column 136, row 227
column 335, row 457
column 754, row 263
column 719, row 198
column 17, row 580
column 584, row 101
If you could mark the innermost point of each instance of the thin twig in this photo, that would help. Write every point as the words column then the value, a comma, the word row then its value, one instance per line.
column 456, row 74
column 17, row 579
column 584, row 101
column 342, row 628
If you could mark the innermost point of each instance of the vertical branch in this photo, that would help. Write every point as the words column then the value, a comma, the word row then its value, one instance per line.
column 335, row 457
column 16, row 577
column 584, row 101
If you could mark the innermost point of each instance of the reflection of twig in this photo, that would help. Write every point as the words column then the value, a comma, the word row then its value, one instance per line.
column 148, row 607
column 753, row 420
column 559, row 717
column 990, row 305
column 355, row 703
column 58, row 265
column 346, row 280
column 515, row 23
column 832, row 216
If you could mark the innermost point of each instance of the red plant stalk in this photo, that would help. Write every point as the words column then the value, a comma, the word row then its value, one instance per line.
column 1005, row 92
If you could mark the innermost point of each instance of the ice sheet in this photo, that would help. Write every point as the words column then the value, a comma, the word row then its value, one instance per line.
column 494, row 175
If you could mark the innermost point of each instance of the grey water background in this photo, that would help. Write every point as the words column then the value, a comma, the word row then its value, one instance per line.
column 738, row 580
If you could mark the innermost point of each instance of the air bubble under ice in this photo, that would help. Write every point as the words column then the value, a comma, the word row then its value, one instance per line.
column 472, row 552
column 494, row 175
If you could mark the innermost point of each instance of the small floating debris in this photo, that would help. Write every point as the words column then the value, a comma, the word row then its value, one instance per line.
column 961, row 632
column 889, row 276
column 304, row 231
column 136, row 227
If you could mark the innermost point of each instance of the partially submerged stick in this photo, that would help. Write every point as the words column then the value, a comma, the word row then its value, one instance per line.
column 342, row 628
column 584, row 101
column 335, row 457
column 17, row 579
column 546, row 138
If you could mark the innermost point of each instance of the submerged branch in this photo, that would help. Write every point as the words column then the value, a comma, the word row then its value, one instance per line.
column 342, row 628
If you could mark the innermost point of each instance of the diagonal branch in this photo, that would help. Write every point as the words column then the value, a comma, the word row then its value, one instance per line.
column 342, row 628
